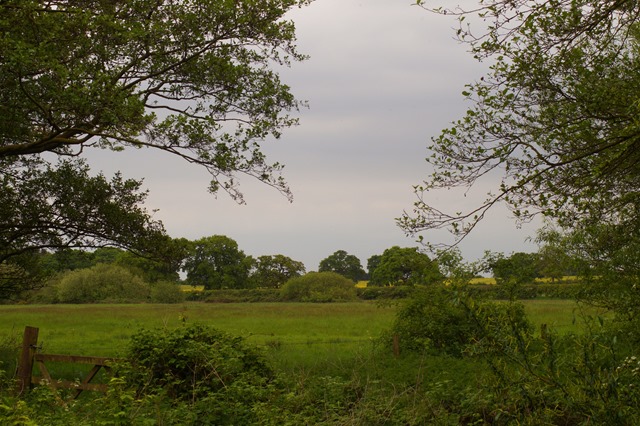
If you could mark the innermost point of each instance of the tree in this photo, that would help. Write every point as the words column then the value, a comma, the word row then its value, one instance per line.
column 344, row 264
column 216, row 263
column 372, row 264
column 274, row 271
column 556, row 259
column 556, row 117
column 452, row 266
column 519, row 268
column 150, row 269
column 192, row 78
column 404, row 266
column 64, row 207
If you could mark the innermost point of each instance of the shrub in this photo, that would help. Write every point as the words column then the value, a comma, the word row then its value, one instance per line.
column 167, row 292
column 319, row 287
column 446, row 319
column 102, row 283
column 385, row 293
column 247, row 295
column 194, row 361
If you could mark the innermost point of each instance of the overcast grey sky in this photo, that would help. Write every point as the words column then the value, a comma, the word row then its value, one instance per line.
column 383, row 77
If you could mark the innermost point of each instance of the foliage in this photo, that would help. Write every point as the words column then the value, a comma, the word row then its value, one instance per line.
column 555, row 117
column 64, row 206
column 216, row 262
column 372, row 264
column 192, row 79
column 518, row 268
column 344, row 264
column 319, row 287
column 557, row 260
column 15, row 280
column 202, row 66
column 578, row 378
column 452, row 266
column 569, row 290
column 101, row 283
column 245, row 295
column 167, row 292
column 10, row 346
column 404, row 266
column 193, row 362
column 606, row 258
column 447, row 319
column 584, row 378
column 274, row 271
column 150, row 269
column 384, row 293
column 67, row 259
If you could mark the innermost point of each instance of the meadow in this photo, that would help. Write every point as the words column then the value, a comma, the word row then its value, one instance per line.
column 300, row 335
column 332, row 365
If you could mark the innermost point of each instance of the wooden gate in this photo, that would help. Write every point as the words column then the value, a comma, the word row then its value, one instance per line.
column 29, row 356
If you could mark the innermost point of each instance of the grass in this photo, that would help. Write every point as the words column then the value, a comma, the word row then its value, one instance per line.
column 104, row 330
column 293, row 333
column 563, row 316
column 296, row 336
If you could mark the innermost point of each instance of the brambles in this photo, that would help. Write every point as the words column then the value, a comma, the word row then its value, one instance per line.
column 443, row 319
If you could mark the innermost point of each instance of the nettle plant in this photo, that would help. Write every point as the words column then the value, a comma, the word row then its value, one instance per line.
column 194, row 361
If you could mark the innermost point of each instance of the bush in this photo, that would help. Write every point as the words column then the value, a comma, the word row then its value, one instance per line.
column 194, row 361
column 560, row 290
column 101, row 283
column 203, row 376
column 385, row 293
column 167, row 292
column 319, row 287
column 446, row 319
column 247, row 295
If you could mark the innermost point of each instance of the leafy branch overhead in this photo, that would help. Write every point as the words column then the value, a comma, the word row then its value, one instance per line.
column 194, row 79
column 554, row 120
column 190, row 78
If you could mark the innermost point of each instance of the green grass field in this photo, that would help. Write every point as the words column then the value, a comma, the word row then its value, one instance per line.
column 308, row 329
column 306, row 343
column 295, row 335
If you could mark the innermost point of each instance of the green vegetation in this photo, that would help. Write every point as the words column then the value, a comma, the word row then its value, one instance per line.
column 216, row 262
column 194, row 79
column 403, row 266
column 344, row 264
column 275, row 270
column 320, row 363
column 319, row 287
column 556, row 115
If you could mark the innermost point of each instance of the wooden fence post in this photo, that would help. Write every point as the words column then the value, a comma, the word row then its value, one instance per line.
column 396, row 345
column 25, row 364
column 543, row 331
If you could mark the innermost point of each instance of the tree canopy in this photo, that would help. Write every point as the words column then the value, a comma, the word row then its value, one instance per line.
column 518, row 268
column 344, row 264
column 193, row 79
column 404, row 266
column 555, row 118
column 216, row 262
column 273, row 271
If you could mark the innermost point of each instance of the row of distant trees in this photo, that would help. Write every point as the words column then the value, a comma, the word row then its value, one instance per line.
column 217, row 262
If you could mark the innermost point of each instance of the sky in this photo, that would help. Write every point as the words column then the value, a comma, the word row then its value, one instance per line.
column 382, row 79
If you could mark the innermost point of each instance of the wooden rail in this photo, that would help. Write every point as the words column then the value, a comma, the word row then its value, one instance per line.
column 97, row 362
column 29, row 356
